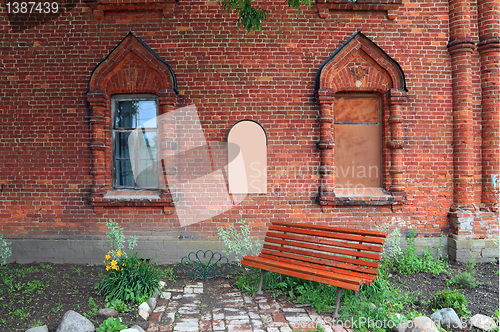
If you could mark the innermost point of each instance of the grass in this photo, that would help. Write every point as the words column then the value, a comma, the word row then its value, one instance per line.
column 39, row 294
column 465, row 279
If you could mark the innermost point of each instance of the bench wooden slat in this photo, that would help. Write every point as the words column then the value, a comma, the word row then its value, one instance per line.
column 322, row 233
column 325, row 249
column 332, row 245
column 298, row 272
column 336, row 261
column 331, row 228
column 317, row 264
column 344, row 244
column 349, row 268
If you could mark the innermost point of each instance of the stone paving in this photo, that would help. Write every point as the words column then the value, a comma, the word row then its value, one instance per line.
column 224, row 308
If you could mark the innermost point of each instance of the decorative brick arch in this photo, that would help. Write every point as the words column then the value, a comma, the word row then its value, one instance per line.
column 361, row 66
column 131, row 68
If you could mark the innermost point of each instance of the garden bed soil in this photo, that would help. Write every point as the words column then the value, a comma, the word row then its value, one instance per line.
column 39, row 294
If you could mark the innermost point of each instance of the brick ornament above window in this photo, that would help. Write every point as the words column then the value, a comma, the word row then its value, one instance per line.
column 131, row 68
column 360, row 67
column 100, row 7
column 390, row 6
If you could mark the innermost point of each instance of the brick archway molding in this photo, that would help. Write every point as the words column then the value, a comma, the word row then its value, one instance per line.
column 131, row 68
column 359, row 65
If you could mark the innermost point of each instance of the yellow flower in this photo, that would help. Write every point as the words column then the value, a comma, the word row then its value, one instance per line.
column 119, row 253
column 107, row 267
column 107, row 256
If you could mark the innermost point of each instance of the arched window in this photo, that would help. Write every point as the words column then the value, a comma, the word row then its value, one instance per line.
column 362, row 96
column 247, row 158
column 128, row 91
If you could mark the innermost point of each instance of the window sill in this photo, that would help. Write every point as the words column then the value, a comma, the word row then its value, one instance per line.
column 135, row 198
column 389, row 6
column 100, row 7
column 360, row 197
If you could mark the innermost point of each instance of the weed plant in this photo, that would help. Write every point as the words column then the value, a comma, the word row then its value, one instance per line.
column 465, row 279
column 111, row 325
column 239, row 242
column 448, row 298
column 408, row 262
column 5, row 250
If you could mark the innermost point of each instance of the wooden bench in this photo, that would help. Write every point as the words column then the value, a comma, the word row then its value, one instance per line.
column 341, row 257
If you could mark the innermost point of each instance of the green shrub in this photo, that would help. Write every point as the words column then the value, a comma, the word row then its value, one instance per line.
column 111, row 325
column 129, row 279
column 409, row 262
column 239, row 242
column 465, row 279
column 448, row 298
column 118, row 305
column 5, row 250
column 117, row 239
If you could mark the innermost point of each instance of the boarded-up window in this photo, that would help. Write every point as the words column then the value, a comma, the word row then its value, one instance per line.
column 247, row 158
column 358, row 141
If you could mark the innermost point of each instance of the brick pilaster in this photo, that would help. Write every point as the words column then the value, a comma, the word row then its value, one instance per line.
column 489, row 50
column 326, row 143
column 460, row 47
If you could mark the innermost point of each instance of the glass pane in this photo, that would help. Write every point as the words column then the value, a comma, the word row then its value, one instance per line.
column 124, row 174
column 121, row 145
column 126, row 114
column 150, row 138
column 147, row 177
column 147, row 113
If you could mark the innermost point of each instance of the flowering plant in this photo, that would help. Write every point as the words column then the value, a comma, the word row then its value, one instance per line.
column 128, row 277
column 111, row 259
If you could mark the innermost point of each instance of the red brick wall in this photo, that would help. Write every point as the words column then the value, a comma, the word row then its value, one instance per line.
column 267, row 76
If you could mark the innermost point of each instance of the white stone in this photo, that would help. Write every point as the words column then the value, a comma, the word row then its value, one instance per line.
column 145, row 306
column 74, row 322
column 144, row 310
column 42, row 328
column 159, row 309
column 482, row 322
column 447, row 318
column 152, row 302
column 421, row 324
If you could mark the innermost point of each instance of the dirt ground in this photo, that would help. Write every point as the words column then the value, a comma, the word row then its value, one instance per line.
column 39, row 294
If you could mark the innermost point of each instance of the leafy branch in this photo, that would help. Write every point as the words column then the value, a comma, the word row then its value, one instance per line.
column 251, row 17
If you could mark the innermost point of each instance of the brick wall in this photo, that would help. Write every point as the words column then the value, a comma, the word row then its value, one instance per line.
column 267, row 76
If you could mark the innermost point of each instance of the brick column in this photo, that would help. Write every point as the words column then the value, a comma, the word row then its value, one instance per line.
column 326, row 143
column 489, row 50
column 98, row 147
column 460, row 48
column 397, row 105
column 166, row 140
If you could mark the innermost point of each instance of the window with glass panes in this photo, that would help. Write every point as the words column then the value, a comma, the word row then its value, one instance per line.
column 135, row 141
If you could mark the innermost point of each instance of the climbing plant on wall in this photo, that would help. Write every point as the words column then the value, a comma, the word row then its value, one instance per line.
column 251, row 17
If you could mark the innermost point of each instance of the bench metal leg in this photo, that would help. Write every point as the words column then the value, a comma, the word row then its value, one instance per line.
column 259, row 292
column 336, row 313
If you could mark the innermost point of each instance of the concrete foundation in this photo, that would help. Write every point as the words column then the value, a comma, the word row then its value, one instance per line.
column 93, row 251
column 168, row 251
column 463, row 249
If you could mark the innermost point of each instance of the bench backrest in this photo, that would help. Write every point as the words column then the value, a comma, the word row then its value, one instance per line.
column 352, row 252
